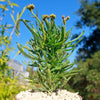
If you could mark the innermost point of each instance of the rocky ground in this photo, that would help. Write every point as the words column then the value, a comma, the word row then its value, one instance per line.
column 59, row 95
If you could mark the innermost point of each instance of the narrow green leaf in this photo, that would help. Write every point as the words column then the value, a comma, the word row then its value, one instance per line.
column 24, row 53
column 17, row 25
column 52, row 40
column 4, row 7
column 54, row 76
column 76, row 38
column 31, row 30
column 66, row 56
column 22, row 12
column 39, row 88
column 17, row 16
column 72, row 45
column 13, row 18
column 55, row 85
column 49, row 77
column 42, row 80
column 65, row 82
column 62, row 33
column 2, row 0
column 12, row 4
column 59, row 43
column 47, row 24
column 67, row 34
column 37, row 32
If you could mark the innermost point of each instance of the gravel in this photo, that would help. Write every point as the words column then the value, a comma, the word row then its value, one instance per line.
column 59, row 95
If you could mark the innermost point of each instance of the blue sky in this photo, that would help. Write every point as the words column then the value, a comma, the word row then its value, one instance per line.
column 58, row 7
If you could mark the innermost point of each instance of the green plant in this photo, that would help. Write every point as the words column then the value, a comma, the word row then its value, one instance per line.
column 88, row 81
column 49, row 50
column 9, row 85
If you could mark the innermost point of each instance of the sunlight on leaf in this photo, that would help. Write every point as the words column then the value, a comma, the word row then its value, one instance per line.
column 2, row 0
column 12, row 18
column 14, row 4
column 22, row 12
column 4, row 7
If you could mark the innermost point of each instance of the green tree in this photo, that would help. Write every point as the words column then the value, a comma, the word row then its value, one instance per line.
column 89, row 13
column 88, row 81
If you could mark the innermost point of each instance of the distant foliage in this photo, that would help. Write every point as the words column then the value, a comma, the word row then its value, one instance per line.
column 88, row 59
column 9, row 85
column 88, row 81
column 89, row 13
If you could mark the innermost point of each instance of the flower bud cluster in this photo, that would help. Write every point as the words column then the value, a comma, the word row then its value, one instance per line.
column 30, row 7
column 65, row 19
column 52, row 16
column 45, row 16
